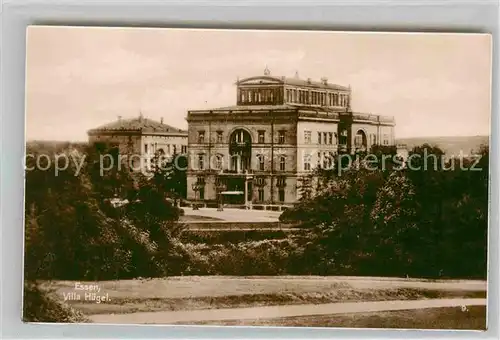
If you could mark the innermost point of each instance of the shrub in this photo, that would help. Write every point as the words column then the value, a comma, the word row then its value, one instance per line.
column 39, row 306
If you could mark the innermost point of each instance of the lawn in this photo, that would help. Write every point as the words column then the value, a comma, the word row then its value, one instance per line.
column 430, row 318
column 206, row 292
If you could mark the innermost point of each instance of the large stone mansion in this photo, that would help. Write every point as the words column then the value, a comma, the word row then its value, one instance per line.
column 139, row 138
column 253, row 153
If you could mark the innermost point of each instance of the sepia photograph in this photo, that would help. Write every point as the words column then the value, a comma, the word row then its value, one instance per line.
column 278, row 178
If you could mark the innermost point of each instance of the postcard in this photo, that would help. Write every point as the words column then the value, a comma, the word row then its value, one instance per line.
column 257, row 177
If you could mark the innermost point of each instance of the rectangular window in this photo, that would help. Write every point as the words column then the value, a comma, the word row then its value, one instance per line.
column 307, row 163
column 281, row 137
column 386, row 140
column 201, row 162
column 282, row 163
column 261, row 181
column 261, row 139
column 281, row 193
column 307, row 137
column 330, row 137
column 325, row 138
column 281, row 181
column 343, row 138
column 145, row 148
column 319, row 137
column 261, row 162
column 261, row 195
column 202, row 193
column 218, row 162
column 219, row 136
column 201, row 137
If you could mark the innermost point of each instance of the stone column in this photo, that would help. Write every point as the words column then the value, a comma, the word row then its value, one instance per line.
column 246, row 192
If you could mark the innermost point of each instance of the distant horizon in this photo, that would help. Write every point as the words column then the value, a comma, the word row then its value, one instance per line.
column 412, row 137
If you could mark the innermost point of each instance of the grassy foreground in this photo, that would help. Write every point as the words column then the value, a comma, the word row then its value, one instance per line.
column 430, row 318
column 195, row 293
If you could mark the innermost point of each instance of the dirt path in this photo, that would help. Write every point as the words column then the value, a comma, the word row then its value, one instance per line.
column 269, row 312
column 202, row 286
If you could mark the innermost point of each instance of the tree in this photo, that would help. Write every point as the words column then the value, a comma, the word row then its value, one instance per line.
column 395, row 225
column 169, row 175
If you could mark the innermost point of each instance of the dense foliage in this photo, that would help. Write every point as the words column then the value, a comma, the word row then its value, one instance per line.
column 420, row 221
column 85, row 224
column 82, row 224
column 74, row 232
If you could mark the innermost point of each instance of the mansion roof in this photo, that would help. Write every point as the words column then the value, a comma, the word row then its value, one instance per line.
column 295, row 81
column 137, row 125
column 301, row 110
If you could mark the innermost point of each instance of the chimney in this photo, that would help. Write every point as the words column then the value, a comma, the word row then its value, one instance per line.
column 161, row 120
column 324, row 80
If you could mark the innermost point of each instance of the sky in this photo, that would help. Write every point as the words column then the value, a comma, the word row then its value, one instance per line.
column 78, row 78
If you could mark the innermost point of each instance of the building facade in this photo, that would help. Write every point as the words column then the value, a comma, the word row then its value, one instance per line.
column 139, row 139
column 253, row 153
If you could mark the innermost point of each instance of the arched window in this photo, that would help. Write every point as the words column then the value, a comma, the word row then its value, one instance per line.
column 360, row 140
